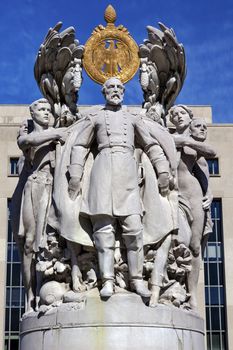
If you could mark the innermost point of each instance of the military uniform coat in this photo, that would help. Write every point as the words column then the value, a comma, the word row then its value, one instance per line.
column 113, row 187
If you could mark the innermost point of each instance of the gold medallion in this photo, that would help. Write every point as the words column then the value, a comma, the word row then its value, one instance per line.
column 111, row 52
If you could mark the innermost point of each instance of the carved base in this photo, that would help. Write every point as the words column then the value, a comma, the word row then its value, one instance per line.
column 123, row 322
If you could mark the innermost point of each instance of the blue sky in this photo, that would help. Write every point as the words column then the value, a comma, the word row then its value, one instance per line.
column 205, row 28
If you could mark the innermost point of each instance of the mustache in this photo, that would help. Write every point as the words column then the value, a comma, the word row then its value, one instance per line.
column 115, row 95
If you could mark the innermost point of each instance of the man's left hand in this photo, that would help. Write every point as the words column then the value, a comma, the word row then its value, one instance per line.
column 163, row 183
column 207, row 200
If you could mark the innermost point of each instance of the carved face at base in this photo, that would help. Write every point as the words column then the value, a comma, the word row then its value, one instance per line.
column 180, row 118
column 198, row 129
column 113, row 90
column 41, row 112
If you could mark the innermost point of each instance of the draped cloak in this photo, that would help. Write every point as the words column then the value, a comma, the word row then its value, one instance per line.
column 159, row 213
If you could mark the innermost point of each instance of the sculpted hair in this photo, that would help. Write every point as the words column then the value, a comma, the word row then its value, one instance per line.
column 195, row 119
column 105, row 84
column 172, row 110
column 35, row 103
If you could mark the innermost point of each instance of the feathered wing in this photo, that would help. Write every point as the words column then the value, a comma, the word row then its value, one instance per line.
column 163, row 67
column 58, row 72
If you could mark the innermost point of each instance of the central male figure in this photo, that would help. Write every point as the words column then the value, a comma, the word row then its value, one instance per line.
column 113, row 192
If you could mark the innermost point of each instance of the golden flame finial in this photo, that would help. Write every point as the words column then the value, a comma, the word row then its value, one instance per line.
column 110, row 14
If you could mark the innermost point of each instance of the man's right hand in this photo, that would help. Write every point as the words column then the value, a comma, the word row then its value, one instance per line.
column 61, row 135
column 181, row 140
column 74, row 187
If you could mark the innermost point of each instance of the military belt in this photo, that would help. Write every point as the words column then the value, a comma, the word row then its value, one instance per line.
column 117, row 148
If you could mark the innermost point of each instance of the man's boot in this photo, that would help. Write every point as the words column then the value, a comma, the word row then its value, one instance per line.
column 107, row 289
column 138, row 286
column 104, row 239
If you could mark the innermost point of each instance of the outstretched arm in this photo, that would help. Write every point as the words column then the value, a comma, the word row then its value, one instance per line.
column 34, row 139
column 201, row 147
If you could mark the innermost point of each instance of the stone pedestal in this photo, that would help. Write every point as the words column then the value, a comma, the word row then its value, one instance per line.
column 122, row 322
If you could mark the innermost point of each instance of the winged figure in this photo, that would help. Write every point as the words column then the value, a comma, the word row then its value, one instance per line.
column 163, row 67
column 58, row 72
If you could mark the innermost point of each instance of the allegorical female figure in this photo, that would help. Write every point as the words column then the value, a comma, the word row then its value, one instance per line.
column 191, row 213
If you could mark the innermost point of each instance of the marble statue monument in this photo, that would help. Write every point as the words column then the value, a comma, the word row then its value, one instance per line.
column 112, row 209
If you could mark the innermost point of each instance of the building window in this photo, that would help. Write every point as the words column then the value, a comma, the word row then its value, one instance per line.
column 216, row 325
column 213, row 166
column 13, row 171
column 15, row 298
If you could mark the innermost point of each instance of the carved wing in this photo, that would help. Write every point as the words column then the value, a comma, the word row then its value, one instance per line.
column 163, row 67
column 58, row 70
